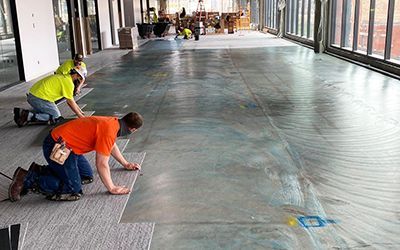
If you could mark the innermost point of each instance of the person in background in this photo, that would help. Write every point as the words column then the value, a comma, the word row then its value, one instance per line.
column 185, row 32
column 65, row 69
column 43, row 95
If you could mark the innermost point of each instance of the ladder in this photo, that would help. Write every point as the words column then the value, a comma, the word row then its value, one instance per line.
column 200, row 10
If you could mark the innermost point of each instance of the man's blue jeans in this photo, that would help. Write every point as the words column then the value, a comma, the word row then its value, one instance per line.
column 43, row 110
column 59, row 179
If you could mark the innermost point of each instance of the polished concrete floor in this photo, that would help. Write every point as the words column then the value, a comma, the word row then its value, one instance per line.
column 256, row 143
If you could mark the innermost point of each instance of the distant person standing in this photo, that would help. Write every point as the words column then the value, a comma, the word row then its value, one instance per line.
column 65, row 69
column 183, row 13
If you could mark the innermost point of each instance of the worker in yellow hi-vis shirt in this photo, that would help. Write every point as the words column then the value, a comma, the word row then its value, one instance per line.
column 43, row 95
column 68, row 65
column 185, row 32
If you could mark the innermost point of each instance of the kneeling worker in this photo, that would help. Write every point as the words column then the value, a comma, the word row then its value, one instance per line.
column 64, row 182
column 43, row 95
column 68, row 65
column 185, row 32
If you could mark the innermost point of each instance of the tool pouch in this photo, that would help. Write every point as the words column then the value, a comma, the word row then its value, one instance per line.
column 60, row 152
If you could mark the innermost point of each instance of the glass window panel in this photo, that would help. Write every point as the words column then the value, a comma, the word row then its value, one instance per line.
column 288, row 16
column 91, row 10
column 363, row 26
column 337, row 26
column 225, row 6
column 62, row 29
column 273, row 8
column 8, row 54
column 312, row 13
column 299, row 13
column 293, row 16
column 305, row 24
column 395, row 52
column 380, row 22
column 349, row 24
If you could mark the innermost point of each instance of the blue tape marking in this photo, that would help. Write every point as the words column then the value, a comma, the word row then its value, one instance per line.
column 309, row 221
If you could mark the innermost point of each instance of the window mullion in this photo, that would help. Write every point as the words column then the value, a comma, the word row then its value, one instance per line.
column 356, row 24
column 308, row 18
column 389, row 30
column 344, row 24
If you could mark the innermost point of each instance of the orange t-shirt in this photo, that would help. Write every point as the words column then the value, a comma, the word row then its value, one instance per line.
column 86, row 134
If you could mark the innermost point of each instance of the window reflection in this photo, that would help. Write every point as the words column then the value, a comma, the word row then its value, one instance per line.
column 349, row 24
column 62, row 29
column 8, row 55
column 380, row 22
column 363, row 26
column 337, row 26
column 312, row 11
column 299, row 13
column 395, row 52
column 91, row 15
column 305, row 16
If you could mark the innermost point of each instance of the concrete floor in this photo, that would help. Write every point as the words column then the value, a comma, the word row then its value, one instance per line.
column 256, row 143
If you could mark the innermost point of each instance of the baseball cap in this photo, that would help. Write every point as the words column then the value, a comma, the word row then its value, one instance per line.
column 78, row 57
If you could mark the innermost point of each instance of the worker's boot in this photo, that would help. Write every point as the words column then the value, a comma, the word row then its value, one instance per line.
column 17, row 184
column 56, row 121
column 35, row 121
column 86, row 180
column 64, row 197
column 31, row 182
column 21, row 116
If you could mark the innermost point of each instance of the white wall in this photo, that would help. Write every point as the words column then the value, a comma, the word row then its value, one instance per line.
column 38, row 37
column 105, row 26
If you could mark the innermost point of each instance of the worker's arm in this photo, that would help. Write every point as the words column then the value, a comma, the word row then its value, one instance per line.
column 79, row 87
column 75, row 108
column 116, row 153
column 105, row 175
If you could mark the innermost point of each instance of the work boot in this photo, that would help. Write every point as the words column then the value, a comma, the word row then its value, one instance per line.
column 31, row 183
column 35, row 167
column 64, row 197
column 22, row 116
column 86, row 180
column 17, row 184
column 56, row 121
column 17, row 112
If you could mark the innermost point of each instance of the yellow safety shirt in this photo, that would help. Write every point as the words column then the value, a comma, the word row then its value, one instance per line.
column 66, row 67
column 53, row 88
column 186, row 32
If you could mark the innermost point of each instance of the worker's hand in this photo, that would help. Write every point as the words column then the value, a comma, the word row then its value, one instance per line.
column 119, row 190
column 132, row 166
column 81, row 114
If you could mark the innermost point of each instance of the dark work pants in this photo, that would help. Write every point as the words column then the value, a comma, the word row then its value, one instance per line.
column 56, row 178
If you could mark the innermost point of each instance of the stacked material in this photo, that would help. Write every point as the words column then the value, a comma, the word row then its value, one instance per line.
column 128, row 38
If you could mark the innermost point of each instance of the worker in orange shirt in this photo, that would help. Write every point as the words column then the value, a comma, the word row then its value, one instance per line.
column 64, row 182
